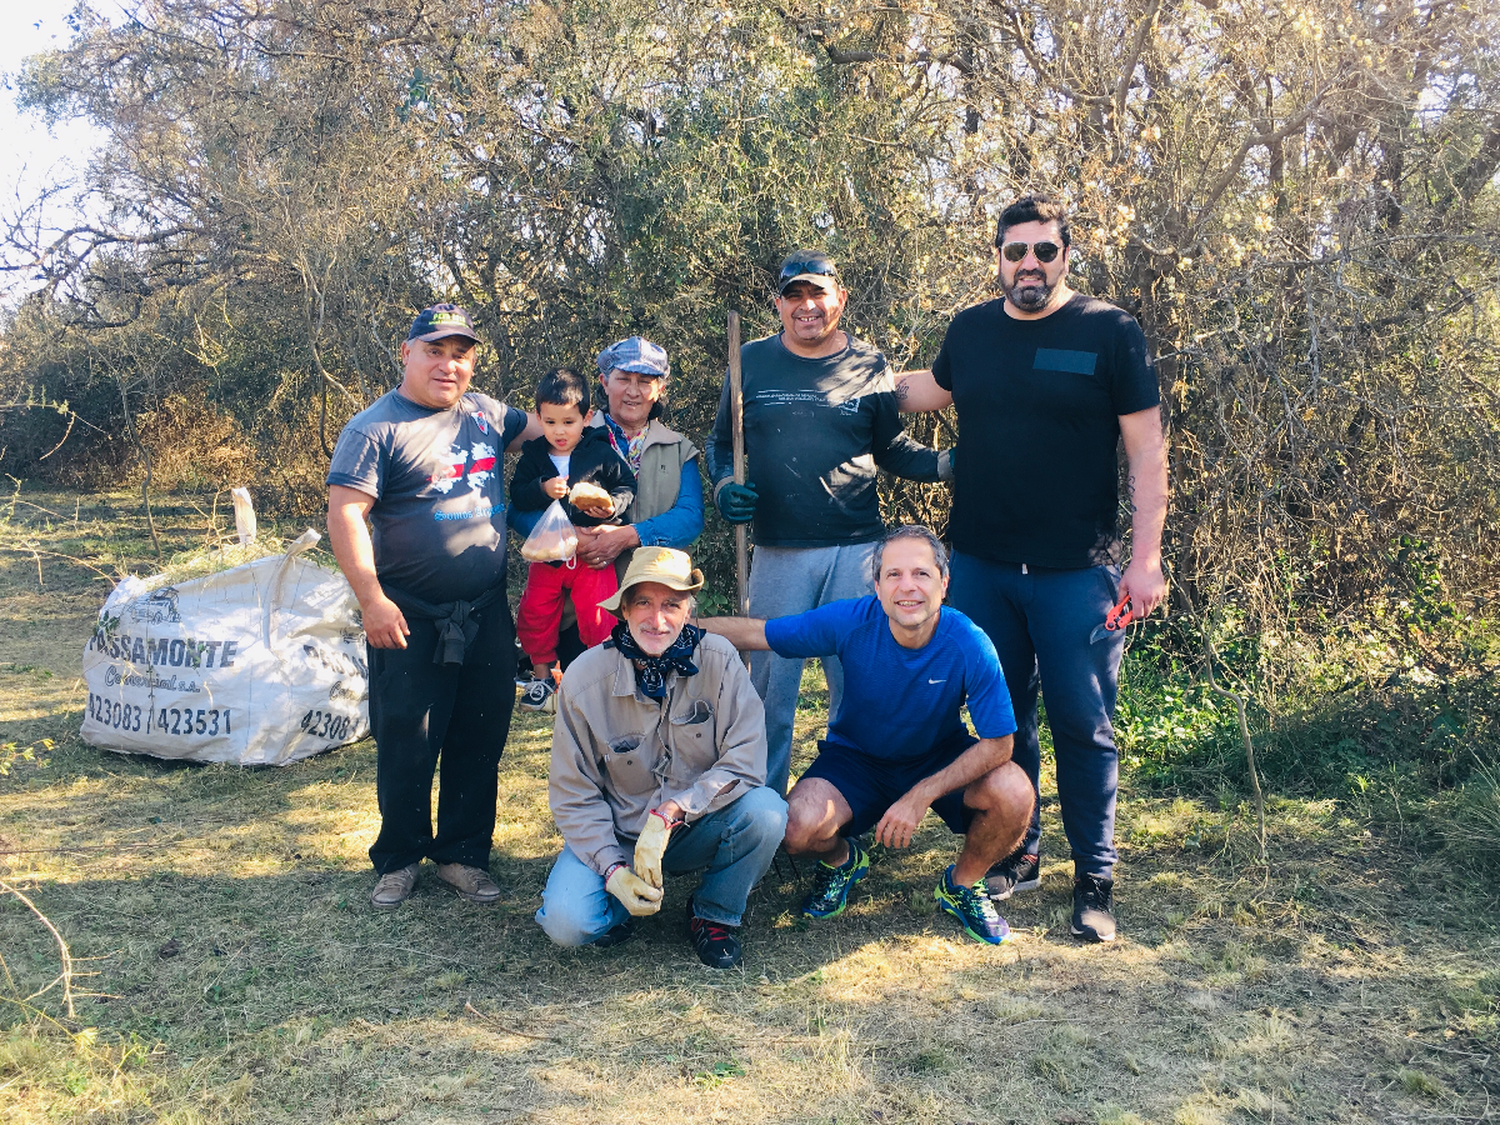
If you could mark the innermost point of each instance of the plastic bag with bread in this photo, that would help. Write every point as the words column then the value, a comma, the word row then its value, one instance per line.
column 553, row 539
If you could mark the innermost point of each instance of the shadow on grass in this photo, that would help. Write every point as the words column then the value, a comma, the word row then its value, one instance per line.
column 242, row 976
column 283, row 996
column 237, row 944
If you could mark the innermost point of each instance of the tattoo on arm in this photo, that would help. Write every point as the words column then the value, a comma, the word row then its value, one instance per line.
column 1130, row 492
column 903, row 392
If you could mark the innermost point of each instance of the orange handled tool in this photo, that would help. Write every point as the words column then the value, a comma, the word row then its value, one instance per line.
column 1115, row 620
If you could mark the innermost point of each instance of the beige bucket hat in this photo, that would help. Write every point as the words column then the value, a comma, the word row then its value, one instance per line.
column 672, row 568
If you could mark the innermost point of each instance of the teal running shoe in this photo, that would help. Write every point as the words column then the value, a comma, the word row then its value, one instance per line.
column 830, row 893
column 973, row 909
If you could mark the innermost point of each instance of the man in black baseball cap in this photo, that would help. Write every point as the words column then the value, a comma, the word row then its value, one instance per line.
column 820, row 415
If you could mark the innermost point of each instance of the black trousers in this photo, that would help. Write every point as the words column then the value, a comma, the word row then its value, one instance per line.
column 420, row 712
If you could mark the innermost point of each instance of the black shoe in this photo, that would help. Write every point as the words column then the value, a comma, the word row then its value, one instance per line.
column 717, row 945
column 615, row 935
column 1013, row 873
column 1092, row 899
column 538, row 695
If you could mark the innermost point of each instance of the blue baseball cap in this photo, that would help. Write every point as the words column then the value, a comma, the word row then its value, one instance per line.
column 438, row 322
column 635, row 353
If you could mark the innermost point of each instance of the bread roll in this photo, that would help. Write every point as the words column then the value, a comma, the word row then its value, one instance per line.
column 586, row 495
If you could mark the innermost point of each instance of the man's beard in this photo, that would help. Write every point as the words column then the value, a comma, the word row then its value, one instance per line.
column 1029, row 295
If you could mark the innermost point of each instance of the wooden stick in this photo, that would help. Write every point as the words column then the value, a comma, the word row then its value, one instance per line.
column 737, row 416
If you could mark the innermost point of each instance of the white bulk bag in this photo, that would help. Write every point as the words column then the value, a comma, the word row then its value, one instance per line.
column 261, row 664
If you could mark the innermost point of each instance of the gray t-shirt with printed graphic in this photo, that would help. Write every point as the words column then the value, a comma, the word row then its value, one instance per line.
column 438, row 523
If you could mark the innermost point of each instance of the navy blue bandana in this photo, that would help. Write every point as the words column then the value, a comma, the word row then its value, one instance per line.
column 651, row 671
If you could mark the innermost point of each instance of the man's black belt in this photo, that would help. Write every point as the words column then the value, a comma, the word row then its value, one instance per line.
column 455, row 621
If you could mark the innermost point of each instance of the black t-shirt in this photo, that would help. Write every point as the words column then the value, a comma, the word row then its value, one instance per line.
column 815, row 430
column 1037, row 476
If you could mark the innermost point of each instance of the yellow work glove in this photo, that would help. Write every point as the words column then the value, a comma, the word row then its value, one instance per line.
column 650, row 846
column 638, row 896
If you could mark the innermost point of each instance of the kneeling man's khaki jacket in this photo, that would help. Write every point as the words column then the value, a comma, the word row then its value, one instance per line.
column 617, row 754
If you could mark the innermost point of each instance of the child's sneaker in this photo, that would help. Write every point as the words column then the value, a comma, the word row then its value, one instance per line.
column 539, row 695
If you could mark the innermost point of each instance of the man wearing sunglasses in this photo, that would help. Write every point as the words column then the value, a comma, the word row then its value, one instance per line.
column 820, row 415
column 1047, row 383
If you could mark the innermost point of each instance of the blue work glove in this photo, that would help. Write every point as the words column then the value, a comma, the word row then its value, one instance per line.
column 737, row 502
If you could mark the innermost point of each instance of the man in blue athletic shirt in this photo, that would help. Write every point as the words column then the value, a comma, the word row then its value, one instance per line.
column 896, row 744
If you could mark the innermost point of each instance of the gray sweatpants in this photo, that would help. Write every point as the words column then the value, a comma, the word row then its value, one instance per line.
column 787, row 580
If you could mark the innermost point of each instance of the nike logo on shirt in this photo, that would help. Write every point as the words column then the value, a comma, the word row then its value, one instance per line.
column 932, row 681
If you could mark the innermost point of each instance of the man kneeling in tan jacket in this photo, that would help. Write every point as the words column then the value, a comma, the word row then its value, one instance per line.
column 658, row 766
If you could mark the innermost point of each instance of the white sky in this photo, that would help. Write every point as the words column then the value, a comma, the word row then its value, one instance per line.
column 32, row 157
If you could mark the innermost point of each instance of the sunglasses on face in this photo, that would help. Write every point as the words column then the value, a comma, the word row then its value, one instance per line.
column 820, row 266
column 1044, row 251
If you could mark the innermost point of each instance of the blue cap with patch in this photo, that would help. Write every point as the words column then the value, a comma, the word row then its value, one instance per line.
column 438, row 322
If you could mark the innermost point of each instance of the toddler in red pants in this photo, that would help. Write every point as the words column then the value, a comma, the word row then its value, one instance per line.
column 567, row 454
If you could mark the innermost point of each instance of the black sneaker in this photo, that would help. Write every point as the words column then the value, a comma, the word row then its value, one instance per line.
column 1092, row 899
column 717, row 945
column 1013, row 873
column 538, row 695
column 616, row 934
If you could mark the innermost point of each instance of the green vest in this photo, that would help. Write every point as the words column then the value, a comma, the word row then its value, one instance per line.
column 660, row 476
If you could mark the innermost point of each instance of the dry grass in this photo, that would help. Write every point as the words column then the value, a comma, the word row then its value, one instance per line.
column 229, row 969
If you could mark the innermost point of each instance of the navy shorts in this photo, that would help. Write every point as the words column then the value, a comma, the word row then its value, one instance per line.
column 871, row 785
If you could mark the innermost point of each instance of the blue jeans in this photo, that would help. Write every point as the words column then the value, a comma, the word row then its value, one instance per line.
column 736, row 844
column 1040, row 621
column 787, row 580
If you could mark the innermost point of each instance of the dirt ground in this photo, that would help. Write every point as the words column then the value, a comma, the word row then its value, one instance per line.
column 226, row 965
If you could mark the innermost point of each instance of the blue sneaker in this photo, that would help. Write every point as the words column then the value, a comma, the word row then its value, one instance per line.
column 973, row 909
column 830, row 893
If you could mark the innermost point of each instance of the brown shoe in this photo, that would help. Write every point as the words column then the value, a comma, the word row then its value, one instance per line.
column 394, row 887
column 472, row 883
